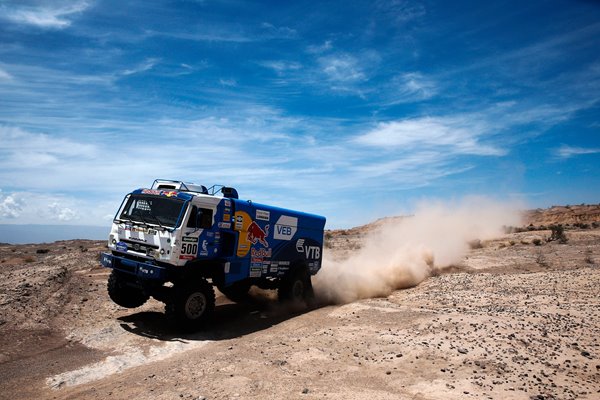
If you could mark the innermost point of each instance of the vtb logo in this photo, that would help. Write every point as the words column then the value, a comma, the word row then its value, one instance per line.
column 311, row 252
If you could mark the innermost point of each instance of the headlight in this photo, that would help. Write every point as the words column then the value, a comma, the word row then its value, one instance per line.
column 162, row 251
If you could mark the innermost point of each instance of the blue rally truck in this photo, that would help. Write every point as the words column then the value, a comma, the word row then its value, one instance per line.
column 177, row 240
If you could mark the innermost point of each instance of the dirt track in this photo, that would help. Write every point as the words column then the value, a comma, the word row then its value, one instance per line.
column 513, row 320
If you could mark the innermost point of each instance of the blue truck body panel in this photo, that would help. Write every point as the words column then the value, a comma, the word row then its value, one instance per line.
column 271, row 239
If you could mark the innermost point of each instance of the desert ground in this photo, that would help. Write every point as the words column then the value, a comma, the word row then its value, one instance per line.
column 517, row 318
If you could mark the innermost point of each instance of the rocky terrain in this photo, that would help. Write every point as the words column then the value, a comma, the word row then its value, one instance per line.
column 517, row 318
column 581, row 214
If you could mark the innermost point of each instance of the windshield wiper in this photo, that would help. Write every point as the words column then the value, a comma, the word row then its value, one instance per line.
column 126, row 219
column 157, row 220
column 137, row 213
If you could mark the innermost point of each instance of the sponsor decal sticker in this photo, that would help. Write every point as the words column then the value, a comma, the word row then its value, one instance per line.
column 285, row 227
column 140, row 229
column 263, row 215
column 204, row 250
column 189, row 248
column 225, row 225
column 168, row 193
column 257, row 235
column 106, row 260
column 239, row 222
column 257, row 256
column 310, row 252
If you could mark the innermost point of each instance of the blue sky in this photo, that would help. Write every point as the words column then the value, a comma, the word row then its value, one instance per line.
column 353, row 110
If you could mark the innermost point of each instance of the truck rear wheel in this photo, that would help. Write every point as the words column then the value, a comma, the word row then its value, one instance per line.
column 191, row 304
column 124, row 294
column 295, row 287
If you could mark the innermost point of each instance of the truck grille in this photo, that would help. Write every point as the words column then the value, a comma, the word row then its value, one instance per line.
column 144, row 248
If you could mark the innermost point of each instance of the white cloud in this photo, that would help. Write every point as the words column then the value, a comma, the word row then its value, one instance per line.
column 401, row 10
column 280, row 66
column 142, row 67
column 566, row 151
column 456, row 134
column 63, row 214
column 280, row 32
column 54, row 206
column 342, row 68
column 228, row 82
column 207, row 33
column 321, row 48
column 54, row 16
column 10, row 207
column 20, row 149
column 5, row 75
column 411, row 87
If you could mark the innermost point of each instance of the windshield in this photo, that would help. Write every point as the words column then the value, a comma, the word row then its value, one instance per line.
column 147, row 209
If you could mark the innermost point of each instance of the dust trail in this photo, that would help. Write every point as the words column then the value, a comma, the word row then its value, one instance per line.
column 402, row 254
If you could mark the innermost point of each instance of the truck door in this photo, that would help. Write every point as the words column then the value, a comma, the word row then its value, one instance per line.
column 198, row 239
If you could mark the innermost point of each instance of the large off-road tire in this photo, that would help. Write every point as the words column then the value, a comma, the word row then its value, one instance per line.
column 123, row 294
column 296, row 286
column 238, row 292
column 191, row 304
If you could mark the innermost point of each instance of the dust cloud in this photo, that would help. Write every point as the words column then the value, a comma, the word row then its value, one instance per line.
column 403, row 253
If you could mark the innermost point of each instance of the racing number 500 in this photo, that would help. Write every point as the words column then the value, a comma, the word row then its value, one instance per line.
column 189, row 248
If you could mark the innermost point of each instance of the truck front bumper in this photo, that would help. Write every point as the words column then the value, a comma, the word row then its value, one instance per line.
column 143, row 270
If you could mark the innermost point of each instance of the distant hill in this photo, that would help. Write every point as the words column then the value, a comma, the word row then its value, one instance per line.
column 582, row 214
column 21, row 234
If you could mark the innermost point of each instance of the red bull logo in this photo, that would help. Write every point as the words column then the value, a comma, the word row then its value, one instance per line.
column 168, row 193
column 256, row 234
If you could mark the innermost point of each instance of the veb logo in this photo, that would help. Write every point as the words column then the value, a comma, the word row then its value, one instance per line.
column 285, row 228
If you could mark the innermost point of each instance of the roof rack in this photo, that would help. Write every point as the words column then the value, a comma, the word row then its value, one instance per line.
column 170, row 184
column 178, row 185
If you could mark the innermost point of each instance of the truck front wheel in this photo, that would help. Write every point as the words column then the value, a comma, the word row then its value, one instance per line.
column 295, row 287
column 191, row 304
column 124, row 294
